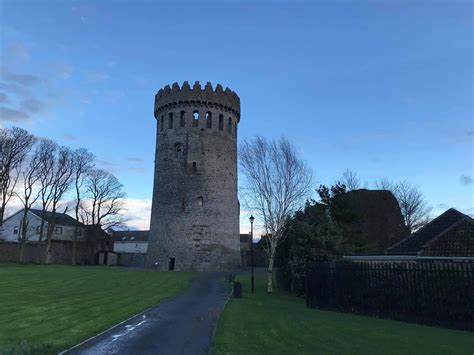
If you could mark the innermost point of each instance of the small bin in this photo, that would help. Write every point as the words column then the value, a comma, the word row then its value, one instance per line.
column 237, row 290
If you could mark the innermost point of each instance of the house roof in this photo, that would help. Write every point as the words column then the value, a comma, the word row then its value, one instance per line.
column 130, row 236
column 61, row 218
column 414, row 243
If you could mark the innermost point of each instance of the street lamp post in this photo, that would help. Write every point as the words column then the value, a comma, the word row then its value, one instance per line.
column 251, row 249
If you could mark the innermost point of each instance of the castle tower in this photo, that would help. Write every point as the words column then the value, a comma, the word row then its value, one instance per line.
column 195, row 210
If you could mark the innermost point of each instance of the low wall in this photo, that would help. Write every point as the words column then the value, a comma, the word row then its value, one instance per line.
column 259, row 258
column 34, row 252
column 131, row 259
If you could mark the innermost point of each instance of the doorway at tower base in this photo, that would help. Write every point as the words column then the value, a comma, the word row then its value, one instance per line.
column 219, row 259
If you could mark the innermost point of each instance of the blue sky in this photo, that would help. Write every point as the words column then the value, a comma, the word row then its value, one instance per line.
column 384, row 88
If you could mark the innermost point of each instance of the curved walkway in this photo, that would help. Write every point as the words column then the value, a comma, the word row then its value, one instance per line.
column 182, row 325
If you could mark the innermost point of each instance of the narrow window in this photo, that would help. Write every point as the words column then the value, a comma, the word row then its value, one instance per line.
column 181, row 119
column 15, row 230
column 200, row 201
column 235, row 128
column 194, row 166
column 162, row 123
column 196, row 119
column 170, row 120
column 229, row 126
column 38, row 229
column 208, row 119
column 221, row 123
column 177, row 149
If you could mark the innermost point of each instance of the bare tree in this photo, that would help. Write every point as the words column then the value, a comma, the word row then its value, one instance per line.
column 106, row 195
column 414, row 208
column 384, row 184
column 15, row 143
column 62, row 179
column 28, row 195
column 83, row 163
column 277, row 184
column 351, row 180
column 48, row 150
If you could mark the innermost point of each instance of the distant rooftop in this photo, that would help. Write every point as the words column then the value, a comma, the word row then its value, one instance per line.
column 417, row 241
column 130, row 236
column 61, row 218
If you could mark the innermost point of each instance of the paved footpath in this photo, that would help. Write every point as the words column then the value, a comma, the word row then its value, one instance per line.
column 182, row 325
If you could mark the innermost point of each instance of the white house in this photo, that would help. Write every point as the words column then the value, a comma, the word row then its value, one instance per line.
column 63, row 230
column 133, row 242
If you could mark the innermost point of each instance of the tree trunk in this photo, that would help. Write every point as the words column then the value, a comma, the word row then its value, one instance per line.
column 2, row 213
column 23, row 236
column 48, row 258
column 271, row 257
column 40, row 240
column 74, row 246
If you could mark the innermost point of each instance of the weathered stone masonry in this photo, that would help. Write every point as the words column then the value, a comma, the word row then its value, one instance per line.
column 195, row 210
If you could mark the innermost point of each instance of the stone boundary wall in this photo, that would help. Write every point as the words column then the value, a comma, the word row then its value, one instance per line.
column 61, row 251
column 131, row 259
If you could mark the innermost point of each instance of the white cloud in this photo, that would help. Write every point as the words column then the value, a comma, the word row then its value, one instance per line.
column 62, row 70
column 466, row 180
column 137, row 213
column 96, row 77
column 12, row 115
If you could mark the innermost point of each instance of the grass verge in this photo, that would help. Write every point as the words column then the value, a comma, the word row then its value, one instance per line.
column 50, row 308
column 280, row 323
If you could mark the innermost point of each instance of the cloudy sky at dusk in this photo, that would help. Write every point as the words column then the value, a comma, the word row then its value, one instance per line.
column 383, row 88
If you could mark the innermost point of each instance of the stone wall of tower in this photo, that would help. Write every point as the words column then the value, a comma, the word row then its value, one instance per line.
column 195, row 210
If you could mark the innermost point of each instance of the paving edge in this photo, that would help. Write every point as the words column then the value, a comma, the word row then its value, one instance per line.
column 215, row 328
column 141, row 313
column 108, row 329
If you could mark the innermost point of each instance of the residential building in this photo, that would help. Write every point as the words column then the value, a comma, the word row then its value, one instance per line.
column 131, row 247
column 450, row 237
column 64, row 227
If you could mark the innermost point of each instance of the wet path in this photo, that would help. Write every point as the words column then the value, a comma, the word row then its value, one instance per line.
column 182, row 325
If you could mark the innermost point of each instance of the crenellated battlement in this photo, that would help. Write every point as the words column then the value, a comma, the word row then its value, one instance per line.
column 174, row 95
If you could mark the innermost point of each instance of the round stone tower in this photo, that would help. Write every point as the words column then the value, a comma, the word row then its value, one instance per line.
column 195, row 210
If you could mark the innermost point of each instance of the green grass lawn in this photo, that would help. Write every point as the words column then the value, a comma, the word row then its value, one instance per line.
column 281, row 324
column 49, row 308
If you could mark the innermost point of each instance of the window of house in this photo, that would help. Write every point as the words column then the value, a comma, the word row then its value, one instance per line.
column 15, row 230
column 38, row 230
column 58, row 230
column 194, row 166
column 170, row 120
column 195, row 118
column 200, row 201
column 182, row 119
column 221, row 122
column 208, row 119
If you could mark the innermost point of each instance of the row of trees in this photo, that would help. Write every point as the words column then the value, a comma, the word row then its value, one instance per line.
column 279, row 184
column 40, row 173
